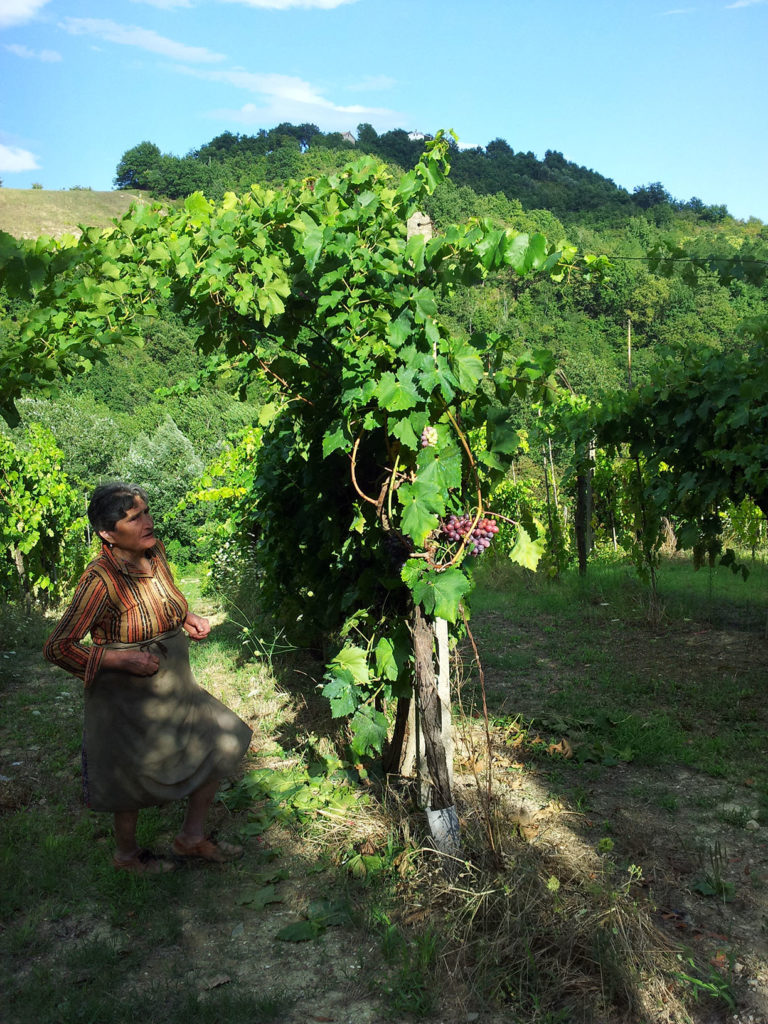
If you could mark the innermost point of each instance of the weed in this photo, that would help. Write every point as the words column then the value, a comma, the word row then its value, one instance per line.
column 712, row 882
column 736, row 817
column 712, row 984
column 411, row 987
column 668, row 801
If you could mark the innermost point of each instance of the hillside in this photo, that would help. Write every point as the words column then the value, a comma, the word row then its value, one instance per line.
column 28, row 213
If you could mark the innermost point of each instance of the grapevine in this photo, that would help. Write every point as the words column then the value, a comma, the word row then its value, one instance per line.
column 317, row 290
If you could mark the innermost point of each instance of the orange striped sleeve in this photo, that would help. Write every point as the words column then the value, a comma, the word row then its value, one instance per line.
column 64, row 646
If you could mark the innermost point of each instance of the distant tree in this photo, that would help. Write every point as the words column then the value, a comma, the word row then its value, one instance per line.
column 647, row 196
column 90, row 441
column 138, row 167
column 397, row 147
column 167, row 464
column 176, row 177
column 499, row 149
column 554, row 159
column 304, row 134
column 367, row 137
column 715, row 213
column 284, row 161
column 36, row 184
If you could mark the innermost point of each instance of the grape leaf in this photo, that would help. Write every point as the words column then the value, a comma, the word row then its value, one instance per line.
column 403, row 430
column 369, row 730
column 425, row 304
column 467, row 365
column 449, row 588
column 353, row 661
column 526, row 551
column 537, row 253
column 399, row 330
column 333, row 439
column 397, row 393
column 342, row 696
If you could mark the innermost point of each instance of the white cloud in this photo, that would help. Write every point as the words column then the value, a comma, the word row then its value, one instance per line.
column 16, row 12
column 14, row 159
column 288, row 98
column 46, row 56
column 373, row 83
column 143, row 38
column 744, row 3
column 328, row 118
column 284, row 5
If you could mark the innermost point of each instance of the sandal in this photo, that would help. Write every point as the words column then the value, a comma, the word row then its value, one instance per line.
column 144, row 862
column 208, row 849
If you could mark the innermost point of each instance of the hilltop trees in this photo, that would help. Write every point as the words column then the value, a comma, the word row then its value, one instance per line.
column 138, row 167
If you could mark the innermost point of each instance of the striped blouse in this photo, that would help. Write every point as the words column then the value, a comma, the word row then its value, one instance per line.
column 115, row 603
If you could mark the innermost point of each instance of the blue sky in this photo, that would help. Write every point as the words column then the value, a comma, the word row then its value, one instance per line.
column 639, row 91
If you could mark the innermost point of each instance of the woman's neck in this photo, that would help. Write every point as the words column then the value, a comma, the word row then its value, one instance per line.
column 138, row 560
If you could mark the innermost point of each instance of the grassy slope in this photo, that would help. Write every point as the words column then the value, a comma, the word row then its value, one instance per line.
column 28, row 213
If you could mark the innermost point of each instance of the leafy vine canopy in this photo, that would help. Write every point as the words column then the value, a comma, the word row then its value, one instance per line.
column 317, row 288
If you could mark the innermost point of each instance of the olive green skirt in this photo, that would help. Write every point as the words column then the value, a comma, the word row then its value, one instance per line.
column 151, row 739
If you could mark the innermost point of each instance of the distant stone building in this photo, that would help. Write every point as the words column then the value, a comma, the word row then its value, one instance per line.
column 349, row 137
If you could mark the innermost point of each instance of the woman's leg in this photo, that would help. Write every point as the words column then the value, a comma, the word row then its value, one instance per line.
column 125, row 834
column 191, row 841
column 128, row 856
column 193, row 829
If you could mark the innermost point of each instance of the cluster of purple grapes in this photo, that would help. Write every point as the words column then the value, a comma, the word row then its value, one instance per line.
column 456, row 528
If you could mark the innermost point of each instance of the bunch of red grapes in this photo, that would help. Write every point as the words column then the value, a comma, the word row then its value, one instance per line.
column 456, row 528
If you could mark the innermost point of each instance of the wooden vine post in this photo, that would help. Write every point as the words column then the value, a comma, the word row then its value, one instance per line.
column 428, row 745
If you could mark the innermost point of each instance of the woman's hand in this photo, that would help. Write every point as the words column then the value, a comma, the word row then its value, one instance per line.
column 197, row 627
column 135, row 662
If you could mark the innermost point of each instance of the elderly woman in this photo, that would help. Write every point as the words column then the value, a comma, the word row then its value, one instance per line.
column 151, row 734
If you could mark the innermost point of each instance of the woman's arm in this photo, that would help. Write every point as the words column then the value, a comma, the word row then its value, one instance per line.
column 64, row 646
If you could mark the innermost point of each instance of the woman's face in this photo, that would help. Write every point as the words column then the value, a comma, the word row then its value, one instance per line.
column 135, row 532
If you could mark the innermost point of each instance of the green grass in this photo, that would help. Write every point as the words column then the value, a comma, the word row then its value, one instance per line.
column 580, row 657
column 28, row 213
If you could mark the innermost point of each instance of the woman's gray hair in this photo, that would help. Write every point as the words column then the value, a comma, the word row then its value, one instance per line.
column 110, row 502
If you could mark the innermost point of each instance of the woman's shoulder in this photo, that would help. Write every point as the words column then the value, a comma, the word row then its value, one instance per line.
column 98, row 570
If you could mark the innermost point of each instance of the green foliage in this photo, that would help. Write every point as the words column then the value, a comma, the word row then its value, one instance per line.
column 317, row 291
column 294, row 795
column 91, row 440
column 138, row 167
column 41, row 519
column 166, row 464
column 369, row 337
column 699, row 432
